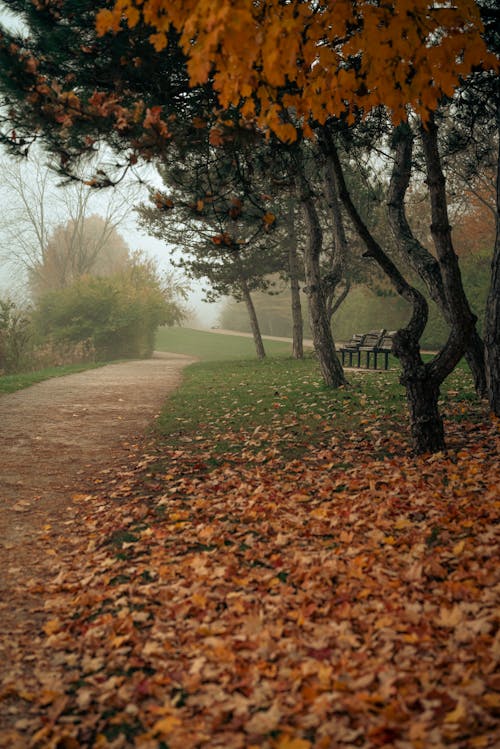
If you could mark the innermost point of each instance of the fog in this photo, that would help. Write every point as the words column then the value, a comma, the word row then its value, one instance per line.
column 12, row 278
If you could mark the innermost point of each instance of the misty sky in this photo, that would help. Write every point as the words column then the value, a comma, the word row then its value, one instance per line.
column 11, row 283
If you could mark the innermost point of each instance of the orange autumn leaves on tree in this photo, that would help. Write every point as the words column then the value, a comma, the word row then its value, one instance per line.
column 317, row 61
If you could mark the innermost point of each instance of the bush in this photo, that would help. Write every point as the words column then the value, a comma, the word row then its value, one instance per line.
column 52, row 353
column 15, row 337
column 118, row 315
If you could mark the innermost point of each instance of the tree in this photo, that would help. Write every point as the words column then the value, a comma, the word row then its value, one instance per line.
column 324, row 345
column 66, row 86
column 413, row 251
column 89, row 245
column 257, row 80
column 319, row 60
column 492, row 325
column 15, row 336
column 52, row 233
column 210, row 210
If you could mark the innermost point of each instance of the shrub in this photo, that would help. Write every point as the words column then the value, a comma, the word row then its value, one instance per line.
column 118, row 315
column 16, row 342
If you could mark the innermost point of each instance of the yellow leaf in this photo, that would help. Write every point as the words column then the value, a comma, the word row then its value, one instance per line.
column 287, row 742
column 159, row 41
column 449, row 617
column 52, row 626
column 166, row 725
column 459, row 547
column 458, row 715
column 133, row 16
column 492, row 700
column 199, row 600
column 264, row 721
column 107, row 20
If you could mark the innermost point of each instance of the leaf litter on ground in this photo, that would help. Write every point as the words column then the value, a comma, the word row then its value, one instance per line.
column 312, row 586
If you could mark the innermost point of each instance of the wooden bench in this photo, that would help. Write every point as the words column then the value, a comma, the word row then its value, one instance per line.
column 352, row 347
column 374, row 342
column 385, row 347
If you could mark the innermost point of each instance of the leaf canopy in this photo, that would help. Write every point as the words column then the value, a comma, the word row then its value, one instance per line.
column 310, row 61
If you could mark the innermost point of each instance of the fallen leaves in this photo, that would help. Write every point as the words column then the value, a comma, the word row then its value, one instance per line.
column 346, row 597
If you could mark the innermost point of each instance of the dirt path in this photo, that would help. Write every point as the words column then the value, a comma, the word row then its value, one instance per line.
column 55, row 439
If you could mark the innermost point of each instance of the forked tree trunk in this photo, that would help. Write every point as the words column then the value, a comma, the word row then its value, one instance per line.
column 462, row 319
column 417, row 255
column 422, row 381
column 492, row 322
column 254, row 323
column 294, row 273
column 324, row 346
column 336, row 274
column 334, row 304
column 422, row 387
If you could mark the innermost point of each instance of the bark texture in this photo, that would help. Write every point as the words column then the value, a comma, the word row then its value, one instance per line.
column 422, row 396
column 294, row 273
column 461, row 318
column 492, row 323
column 254, row 323
column 419, row 258
column 324, row 345
column 337, row 272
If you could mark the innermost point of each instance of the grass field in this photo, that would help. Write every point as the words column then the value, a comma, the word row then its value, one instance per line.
column 272, row 567
column 212, row 346
column 219, row 399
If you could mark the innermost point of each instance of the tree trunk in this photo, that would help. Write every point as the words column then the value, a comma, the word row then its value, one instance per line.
column 475, row 356
column 417, row 255
column 492, row 322
column 331, row 368
column 254, row 323
column 461, row 318
column 422, row 396
column 340, row 244
column 294, row 272
column 419, row 380
column 324, row 346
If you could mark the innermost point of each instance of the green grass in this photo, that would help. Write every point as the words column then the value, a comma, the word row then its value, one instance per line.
column 13, row 382
column 239, row 394
column 214, row 346
column 218, row 401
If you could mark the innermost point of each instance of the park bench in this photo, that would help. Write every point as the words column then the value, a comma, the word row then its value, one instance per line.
column 374, row 342
column 385, row 347
column 352, row 347
column 371, row 345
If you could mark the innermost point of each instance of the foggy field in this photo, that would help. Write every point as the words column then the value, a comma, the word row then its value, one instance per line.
column 211, row 347
column 211, row 543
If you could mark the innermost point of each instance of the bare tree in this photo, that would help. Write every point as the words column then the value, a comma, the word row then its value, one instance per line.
column 53, row 234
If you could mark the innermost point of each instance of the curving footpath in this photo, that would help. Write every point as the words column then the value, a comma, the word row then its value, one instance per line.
column 55, row 439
